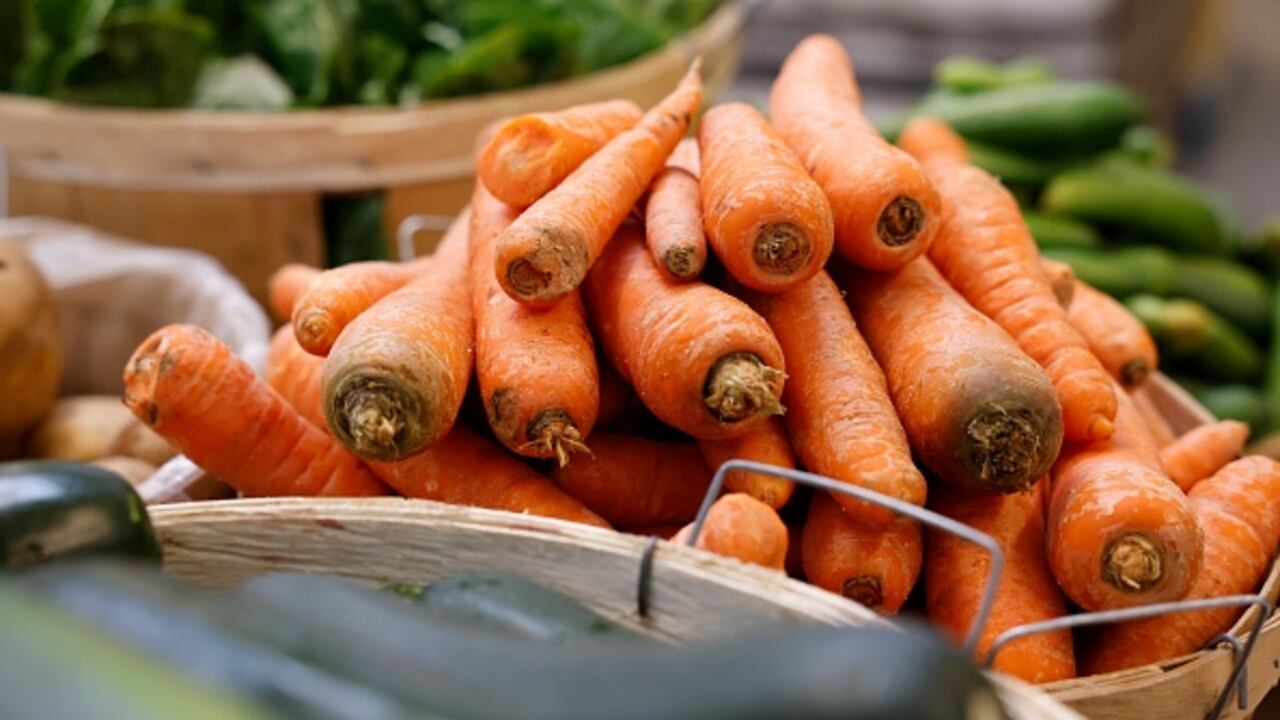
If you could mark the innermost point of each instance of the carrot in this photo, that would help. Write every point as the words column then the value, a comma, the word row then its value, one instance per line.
column 673, row 216
column 635, row 481
column 1114, row 335
column 528, row 155
column 1203, row 451
column 336, row 297
column 207, row 402
column 766, row 219
column 739, row 526
column 876, row 567
column 286, row 285
column 547, row 251
column 463, row 468
column 976, row 409
column 295, row 374
column 766, row 444
column 956, row 573
column 1161, row 432
column 839, row 412
column 986, row 252
column 1063, row 281
column 699, row 359
column 536, row 370
column 1236, row 507
column 1120, row 533
column 885, row 209
column 397, row 374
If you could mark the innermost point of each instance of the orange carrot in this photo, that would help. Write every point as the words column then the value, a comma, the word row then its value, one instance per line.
column 635, row 481
column 699, row 359
column 766, row 444
column 547, row 251
column 1120, row 533
column 977, row 410
column 1161, row 432
column 1236, row 507
column 956, row 572
column 839, row 412
column 1114, row 335
column 673, row 216
column 986, row 252
column 1063, row 281
column 397, row 374
column 336, row 297
column 885, row 209
column 874, row 567
column 295, row 374
column 537, row 370
column 766, row 219
column 1203, row 451
column 529, row 155
column 207, row 402
column 739, row 526
column 463, row 468
column 286, row 285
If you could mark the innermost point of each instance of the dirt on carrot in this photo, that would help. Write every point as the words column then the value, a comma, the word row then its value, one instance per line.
column 766, row 444
column 1114, row 335
column 1203, row 451
column 673, row 216
column 876, row 567
column 741, row 527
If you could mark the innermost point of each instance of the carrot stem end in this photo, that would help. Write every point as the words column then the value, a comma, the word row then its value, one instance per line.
column 740, row 386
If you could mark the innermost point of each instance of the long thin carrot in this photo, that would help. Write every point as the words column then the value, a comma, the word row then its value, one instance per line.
column 1115, row 336
column 876, row 567
column 1063, row 281
column 839, row 412
column 886, row 211
column 1161, row 431
column 739, row 526
column 529, row 155
column 463, row 468
column 955, row 576
column 1120, row 533
column 1203, row 451
column 986, row 252
column 396, row 376
column 700, row 359
column 766, row 219
column 673, row 216
column 536, row 369
column 336, row 297
column 977, row 410
column 547, row 251
column 766, row 444
column 636, row 481
column 1236, row 507
column 295, row 374
column 207, row 402
column 287, row 284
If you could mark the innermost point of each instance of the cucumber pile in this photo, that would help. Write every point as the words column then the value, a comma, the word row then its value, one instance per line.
column 1098, row 193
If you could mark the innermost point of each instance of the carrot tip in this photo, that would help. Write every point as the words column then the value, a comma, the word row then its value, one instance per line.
column 901, row 221
column 1101, row 428
column 864, row 590
column 1134, row 372
column 553, row 433
column 1005, row 448
column 781, row 248
column 1132, row 563
column 739, row 386
column 680, row 261
column 374, row 418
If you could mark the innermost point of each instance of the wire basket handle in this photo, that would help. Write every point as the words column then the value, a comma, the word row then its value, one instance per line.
column 1103, row 617
column 409, row 228
column 822, row 482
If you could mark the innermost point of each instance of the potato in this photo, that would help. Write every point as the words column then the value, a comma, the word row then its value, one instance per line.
column 80, row 428
column 141, row 442
column 30, row 349
column 131, row 469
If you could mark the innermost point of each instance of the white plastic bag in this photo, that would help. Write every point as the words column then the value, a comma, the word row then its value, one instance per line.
column 112, row 294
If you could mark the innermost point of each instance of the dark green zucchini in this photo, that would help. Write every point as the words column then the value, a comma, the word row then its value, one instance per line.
column 1122, row 271
column 966, row 75
column 54, row 510
column 1236, row 292
column 1052, row 231
column 513, row 605
column 1194, row 338
column 1013, row 168
column 55, row 667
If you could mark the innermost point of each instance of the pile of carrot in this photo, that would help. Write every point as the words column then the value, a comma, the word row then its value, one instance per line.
column 632, row 308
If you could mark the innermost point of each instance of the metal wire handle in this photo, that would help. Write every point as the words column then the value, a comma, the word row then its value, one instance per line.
column 822, row 482
column 414, row 224
column 1103, row 617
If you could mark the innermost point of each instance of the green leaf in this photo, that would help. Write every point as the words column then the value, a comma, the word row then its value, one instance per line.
column 508, row 57
column 69, row 22
column 241, row 83
column 303, row 41
column 383, row 63
column 17, row 24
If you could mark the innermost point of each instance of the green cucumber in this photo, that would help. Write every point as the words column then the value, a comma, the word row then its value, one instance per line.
column 1010, row 167
column 51, row 510
column 1051, row 119
column 1121, row 272
column 1149, row 203
column 55, row 667
column 1238, row 293
column 1192, row 336
column 1147, row 145
column 1262, row 248
column 1271, row 383
column 514, row 605
column 1053, row 231
column 965, row 75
